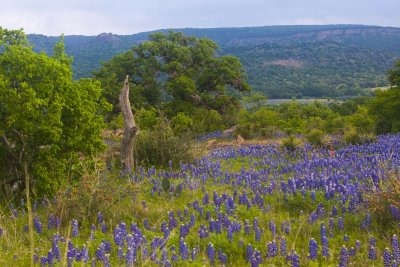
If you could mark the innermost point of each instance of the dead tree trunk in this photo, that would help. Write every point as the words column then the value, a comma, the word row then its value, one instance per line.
column 130, row 129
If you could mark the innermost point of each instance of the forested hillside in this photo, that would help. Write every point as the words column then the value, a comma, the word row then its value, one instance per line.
column 281, row 61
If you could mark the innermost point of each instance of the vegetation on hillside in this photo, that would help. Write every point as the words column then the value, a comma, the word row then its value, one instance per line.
column 330, row 60
column 318, row 69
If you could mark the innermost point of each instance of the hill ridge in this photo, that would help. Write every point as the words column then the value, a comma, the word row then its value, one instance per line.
column 382, row 44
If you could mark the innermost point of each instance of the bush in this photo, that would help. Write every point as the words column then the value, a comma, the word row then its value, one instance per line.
column 290, row 143
column 181, row 124
column 315, row 137
column 158, row 146
column 352, row 136
column 245, row 130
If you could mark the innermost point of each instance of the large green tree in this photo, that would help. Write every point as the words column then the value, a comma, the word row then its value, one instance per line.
column 179, row 69
column 48, row 122
column 385, row 106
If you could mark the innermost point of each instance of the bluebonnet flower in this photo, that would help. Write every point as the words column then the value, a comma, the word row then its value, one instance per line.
column 257, row 233
column 193, row 256
column 272, row 249
column 256, row 258
column 55, row 250
column 313, row 249
column 183, row 250
column 38, row 225
column 345, row 238
column 249, row 252
column 172, row 223
column 340, row 223
column 343, row 257
column 222, row 257
column 386, row 258
column 395, row 212
column 164, row 255
column 100, row 252
column 50, row 258
column 322, row 230
column 372, row 253
column 52, row 223
column 395, row 248
column 272, row 228
column 75, row 230
column 325, row 248
column 43, row 261
column 295, row 260
column 129, row 257
column 358, row 244
column 283, row 246
column 352, row 252
column 229, row 234
column 372, row 241
column 210, row 253
column 331, row 224
column 246, row 227
column 99, row 217
column 103, row 227
column 184, row 230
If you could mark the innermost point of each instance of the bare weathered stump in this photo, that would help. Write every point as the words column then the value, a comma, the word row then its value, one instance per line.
column 130, row 129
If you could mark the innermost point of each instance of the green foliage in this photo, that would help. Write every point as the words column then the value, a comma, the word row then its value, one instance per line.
column 394, row 75
column 318, row 69
column 354, row 137
column 12, row 37
column 281, row 61
column 147, row 119
column 361, row 120
column 181, row 124
column 290, row 143
column 315, row 137
column 160, row 146
column 385, row 106
column 260, row 123
column 47, row 120
column 174, row 67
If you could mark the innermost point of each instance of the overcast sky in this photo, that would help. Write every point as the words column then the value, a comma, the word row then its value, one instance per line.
column 91, row 17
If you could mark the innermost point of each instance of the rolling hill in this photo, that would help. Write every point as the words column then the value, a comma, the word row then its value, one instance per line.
column 281, row 61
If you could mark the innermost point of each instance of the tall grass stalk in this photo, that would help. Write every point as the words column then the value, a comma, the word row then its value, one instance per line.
column 30, row 217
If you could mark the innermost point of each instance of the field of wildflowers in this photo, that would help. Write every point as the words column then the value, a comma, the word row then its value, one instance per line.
column 257, row 205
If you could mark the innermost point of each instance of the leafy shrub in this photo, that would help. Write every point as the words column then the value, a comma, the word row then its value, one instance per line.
column 245, row 130
column 159, row 146
column 269, row 132
column 181, row 124
column 290, row 143
column 354, row 137
column 315, row 137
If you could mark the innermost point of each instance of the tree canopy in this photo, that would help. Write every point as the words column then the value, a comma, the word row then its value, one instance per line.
column 47, row 120
column 176, row 68
column 385, row 106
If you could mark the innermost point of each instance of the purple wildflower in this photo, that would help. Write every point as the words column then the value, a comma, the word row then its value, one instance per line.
column 313, row 249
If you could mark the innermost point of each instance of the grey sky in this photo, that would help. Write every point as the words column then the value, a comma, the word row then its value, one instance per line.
column 91, row 17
